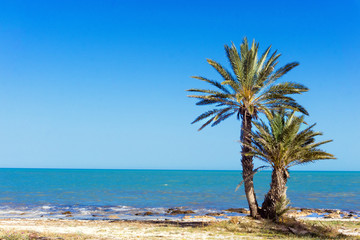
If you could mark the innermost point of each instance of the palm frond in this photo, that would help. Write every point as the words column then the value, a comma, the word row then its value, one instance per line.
column 287, row 88
column 214, row 83
column 235, row 61
column 283, row 70
column 205, row 115
column 206, row 102
column 278, row 105
column 222, row 118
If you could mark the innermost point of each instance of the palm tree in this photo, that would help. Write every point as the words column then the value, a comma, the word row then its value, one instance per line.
column 282, row 145
column 251, row 89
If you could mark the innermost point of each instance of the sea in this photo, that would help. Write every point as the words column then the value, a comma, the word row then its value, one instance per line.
column 129, row 194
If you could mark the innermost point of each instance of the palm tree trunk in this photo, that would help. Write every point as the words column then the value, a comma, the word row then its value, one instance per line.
column 277, row 190
column 247, row 164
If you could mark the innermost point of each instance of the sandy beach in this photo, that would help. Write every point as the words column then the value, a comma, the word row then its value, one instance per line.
column 197, row 227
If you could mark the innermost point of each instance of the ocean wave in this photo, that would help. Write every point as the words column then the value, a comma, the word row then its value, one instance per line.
column 96, row 212
column 90, row 212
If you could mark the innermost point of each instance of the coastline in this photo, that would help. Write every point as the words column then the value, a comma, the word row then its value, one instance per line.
column 197, row 227
column 159, row 214
column 182, row 223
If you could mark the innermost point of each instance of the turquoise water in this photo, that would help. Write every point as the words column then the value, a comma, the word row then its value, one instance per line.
column 87, row 192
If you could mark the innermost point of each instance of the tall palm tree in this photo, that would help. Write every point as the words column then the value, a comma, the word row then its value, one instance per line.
column 282, row 145
column 251, row 89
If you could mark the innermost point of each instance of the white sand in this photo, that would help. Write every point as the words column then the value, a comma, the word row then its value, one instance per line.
column 108, row 230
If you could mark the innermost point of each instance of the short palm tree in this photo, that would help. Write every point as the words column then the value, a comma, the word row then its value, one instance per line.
column 251, row 89
column 282, row 145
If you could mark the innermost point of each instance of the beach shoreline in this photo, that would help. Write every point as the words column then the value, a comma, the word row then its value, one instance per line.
column 183, row 223
column 162, row 214
column 196, row 227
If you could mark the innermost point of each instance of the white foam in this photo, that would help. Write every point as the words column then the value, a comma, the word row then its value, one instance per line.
column 122, row 208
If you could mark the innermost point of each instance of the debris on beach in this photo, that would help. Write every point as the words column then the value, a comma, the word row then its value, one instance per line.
column 148, row 213
column 177, row 211
column 238, row 210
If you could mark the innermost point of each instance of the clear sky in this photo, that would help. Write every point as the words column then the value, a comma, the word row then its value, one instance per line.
column 101, row 84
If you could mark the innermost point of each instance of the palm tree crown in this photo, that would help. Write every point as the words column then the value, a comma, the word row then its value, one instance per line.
column 283, row 144
column 251, row 89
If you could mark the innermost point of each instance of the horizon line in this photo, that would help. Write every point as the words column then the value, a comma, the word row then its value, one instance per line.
column 159, row 169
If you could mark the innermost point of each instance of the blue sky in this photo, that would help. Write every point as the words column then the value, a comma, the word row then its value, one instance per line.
column 101, row 84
